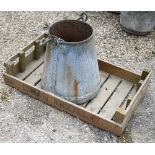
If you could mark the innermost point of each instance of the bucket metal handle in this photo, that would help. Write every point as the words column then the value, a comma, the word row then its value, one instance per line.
column 83, row 17
column 52, row 38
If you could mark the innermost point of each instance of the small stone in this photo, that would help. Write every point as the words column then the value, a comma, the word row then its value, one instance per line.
column 153, row 51
column 51, row 138
column 136, row 48
column 54, row 130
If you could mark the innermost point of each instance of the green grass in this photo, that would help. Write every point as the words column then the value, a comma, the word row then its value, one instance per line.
column 4, row 96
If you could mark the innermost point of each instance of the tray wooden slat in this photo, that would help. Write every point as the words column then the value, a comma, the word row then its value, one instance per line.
column 129, row 97
column 35, row 77
column 116, row 99
column 104, row 76
column 106, row 90
column 30, row 68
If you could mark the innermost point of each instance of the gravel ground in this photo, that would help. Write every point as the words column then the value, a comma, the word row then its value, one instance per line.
column 24, row 119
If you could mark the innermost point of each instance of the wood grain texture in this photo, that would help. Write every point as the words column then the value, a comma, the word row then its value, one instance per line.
column 35, row 76
column 116, row 99
column 119, row 115
column 103, row 95
column 136, row 100
column 30, row 68
column 10, row 67
column 37, row 50
column 32, row 43
column 104, row 77
column 120, row 112
column 118, row 71
column 129, row 98
column 63, row 104
column 22, row 61
column 28, row 57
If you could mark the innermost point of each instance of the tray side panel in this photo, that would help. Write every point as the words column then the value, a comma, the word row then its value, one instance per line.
column 136, row 100
column 31, row 68
column 26, row 56
column 118, row 71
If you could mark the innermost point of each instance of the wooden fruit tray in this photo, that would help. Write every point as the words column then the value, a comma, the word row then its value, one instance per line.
column 111, row 109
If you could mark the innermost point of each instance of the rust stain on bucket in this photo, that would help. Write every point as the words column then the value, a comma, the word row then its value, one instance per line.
column 75, row 86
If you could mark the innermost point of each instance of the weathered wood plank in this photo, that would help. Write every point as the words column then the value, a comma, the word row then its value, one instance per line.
column 119, row 115
column 63, row 104
column 22, row 61
column 28, row 60
column 28, row 57
column 139, row 84
column 30, row 68
column 38, row 84
column 32, row 42
column 118, row 71
column 37, row 50
column 129, row 98
column 104, row 77
column 28, row 46
column 10, row 67
column 144, row 74
column 105, row 92
column 13, row 57
column 120, row 112
column 116, row 99
column 35, row 76
column 136, row 100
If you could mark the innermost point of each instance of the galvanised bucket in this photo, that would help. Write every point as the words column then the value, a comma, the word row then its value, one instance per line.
column 71, row 69
column 137, row 22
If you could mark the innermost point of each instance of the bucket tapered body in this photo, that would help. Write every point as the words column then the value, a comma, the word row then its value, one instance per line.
column 71, row 70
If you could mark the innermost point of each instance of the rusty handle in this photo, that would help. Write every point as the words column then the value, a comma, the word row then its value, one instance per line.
column 83, row 17
column 52, row 38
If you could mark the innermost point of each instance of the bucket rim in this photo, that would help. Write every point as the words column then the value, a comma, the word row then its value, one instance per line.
column 77, row 42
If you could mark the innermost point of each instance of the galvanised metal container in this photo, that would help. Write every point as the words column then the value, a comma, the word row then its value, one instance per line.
column 137, row 22
column 71, row 69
